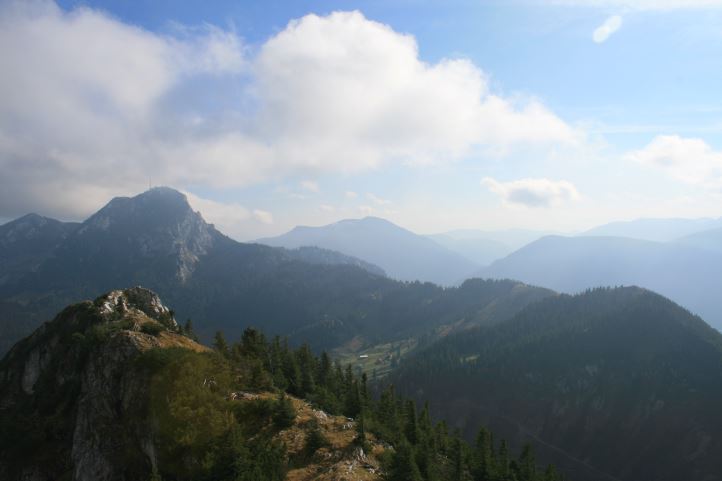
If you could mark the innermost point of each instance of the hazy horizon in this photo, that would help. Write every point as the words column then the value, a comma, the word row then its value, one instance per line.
column 542, row 115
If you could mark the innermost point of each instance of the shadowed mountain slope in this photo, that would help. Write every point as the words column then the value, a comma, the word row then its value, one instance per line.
column 610, row 384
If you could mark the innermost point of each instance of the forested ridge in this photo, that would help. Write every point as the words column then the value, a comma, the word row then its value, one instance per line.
column 420, row 449
column 116, row 387
column 590, row 377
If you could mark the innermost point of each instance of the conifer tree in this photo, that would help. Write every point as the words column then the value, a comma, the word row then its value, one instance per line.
column 457, row 459
column 284, row 413
column 325, row 370
column 188, row 330
column 550, row 474
column 503, row 460
column 483, row 460
column 411, row 428
column 403, row 467
column 360, row 438
column 220, row 344
column 364, row 396
column 527, row 464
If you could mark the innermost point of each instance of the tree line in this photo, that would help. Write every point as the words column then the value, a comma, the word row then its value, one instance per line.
column 422, row 450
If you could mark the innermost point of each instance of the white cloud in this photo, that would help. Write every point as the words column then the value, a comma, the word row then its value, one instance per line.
column 351, row 194
column 90, row 107
column 610, row 25
column 366, row 210
column 327, row 208
column 226, row 216
column 369, row 99
column 231, row 218
column 533, row 192
column 81, row 98
column 263, row 216
column 310, row 186
column 376, row 199
column 689, row 160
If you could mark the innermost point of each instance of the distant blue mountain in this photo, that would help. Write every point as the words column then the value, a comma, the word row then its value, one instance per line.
column 660, row 230
column 686, row 273
column 399, row 252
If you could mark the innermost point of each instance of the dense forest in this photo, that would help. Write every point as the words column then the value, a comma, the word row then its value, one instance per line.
column 588, row 377
column 423, row 450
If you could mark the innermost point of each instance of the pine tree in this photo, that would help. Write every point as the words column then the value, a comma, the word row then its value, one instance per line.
column 365, row 397
column 457, row 458
column 284, row 413
column 441, row 437
column 550, row 474
column 411, row 428
column 527, row 464
column 503, row 460
column 483, row 460
column 352, row 399
column 403, row 467
column 360, row 438
column 325, row 371
column 188, row 330
column 291, row 370
column 220, row 344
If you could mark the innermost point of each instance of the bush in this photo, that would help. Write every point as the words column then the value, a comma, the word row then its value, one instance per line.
column 152, row 328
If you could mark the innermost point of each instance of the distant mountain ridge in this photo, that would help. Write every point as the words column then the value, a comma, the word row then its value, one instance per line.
column 658, row 230
column 29, row 240
column 156, row 240
column 399, row 252
column 708, row 240
column 685, row 273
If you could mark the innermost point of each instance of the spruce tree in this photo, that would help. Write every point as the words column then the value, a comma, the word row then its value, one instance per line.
column 403, row 467
column 411, row 428
column 457, row 459
column 483, row 460
column 527, row 464
column 220, row 344
column 503, row 460
column 360, row 438
column 284, row 413
column 550, row 474
column 188, row 330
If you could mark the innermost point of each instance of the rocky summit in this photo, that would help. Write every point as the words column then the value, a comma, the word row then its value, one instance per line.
column 71, row 392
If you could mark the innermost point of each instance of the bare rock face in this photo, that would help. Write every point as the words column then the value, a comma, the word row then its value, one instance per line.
column 157, row 224
column 135, row 302
column 76, row 373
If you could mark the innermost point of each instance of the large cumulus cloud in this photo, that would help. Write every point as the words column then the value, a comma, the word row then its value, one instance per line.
column 92, row 107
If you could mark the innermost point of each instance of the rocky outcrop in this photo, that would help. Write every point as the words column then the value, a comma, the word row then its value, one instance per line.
column 76, row 374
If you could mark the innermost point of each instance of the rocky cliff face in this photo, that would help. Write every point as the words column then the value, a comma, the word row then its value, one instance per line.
column 158, row 224
column 71, row 403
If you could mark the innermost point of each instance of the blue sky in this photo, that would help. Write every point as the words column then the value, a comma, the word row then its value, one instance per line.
column 436, row 115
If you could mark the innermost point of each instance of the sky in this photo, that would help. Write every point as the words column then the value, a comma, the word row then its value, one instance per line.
column 554, row 115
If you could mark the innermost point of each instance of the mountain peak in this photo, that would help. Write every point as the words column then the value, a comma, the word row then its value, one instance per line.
column 156, row 224
column 134, row 301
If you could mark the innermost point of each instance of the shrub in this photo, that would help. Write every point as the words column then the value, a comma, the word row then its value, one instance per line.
column 152, row 328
